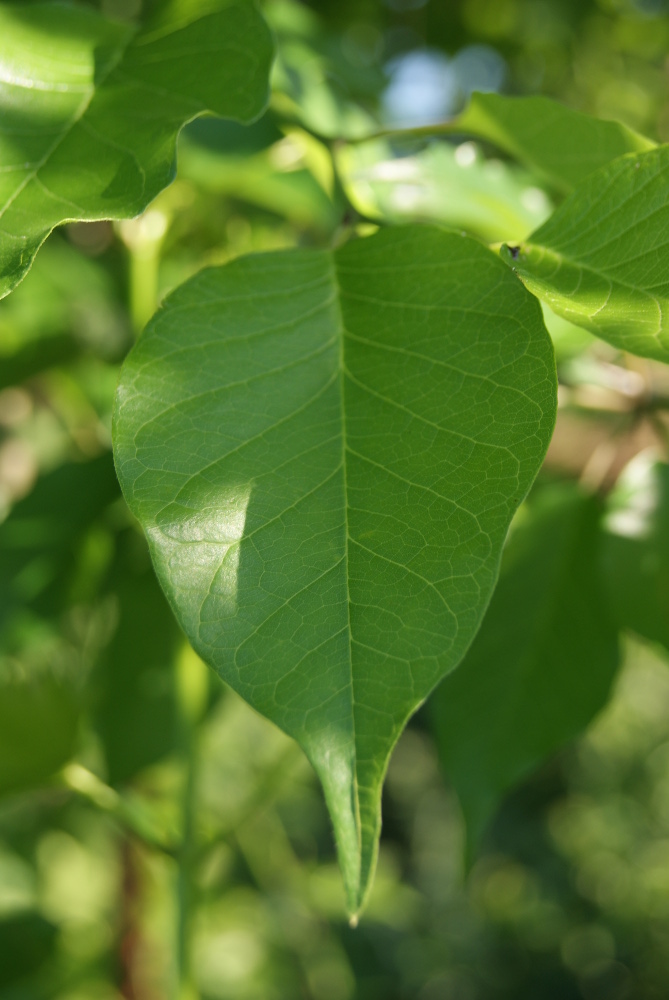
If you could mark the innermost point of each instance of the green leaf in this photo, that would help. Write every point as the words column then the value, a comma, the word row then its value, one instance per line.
column 27, row 942
column 135, row 713
column 39, row 721
column 636, row 551
column 602, row 259
column 563, row 146
column 41, row 538
column 542, row 663
column 90, row 108
column 325, row 450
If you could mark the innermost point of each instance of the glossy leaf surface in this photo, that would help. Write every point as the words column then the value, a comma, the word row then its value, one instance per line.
column 90, row 108
column 541, row 665
column 602, row 259
column 636, row 550
column 325, row 450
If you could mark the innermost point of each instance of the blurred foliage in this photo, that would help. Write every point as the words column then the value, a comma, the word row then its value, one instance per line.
column 568, row 896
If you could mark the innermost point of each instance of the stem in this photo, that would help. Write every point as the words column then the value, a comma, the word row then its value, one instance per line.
column 143, row 237
column 130, row 815
column 192, row 691
column 262, row 796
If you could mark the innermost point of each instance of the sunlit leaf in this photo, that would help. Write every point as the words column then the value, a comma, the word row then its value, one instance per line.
column 602, row 259
column 542, row 663
column 325, row 450
column 90, row 108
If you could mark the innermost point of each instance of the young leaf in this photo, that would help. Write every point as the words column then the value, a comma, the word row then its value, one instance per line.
column 636, row 550
column 325, row 450
column 563, row 146
column 602, row 259
column 89, row 122
column 541, row 665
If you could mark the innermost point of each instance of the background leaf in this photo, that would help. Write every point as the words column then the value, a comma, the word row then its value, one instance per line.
column 42, row 537
column 89, row 124
column 601, row 260
column 39, row 719
column 542, row 663
column 325, row 450
column 443, row 183
column 562, row 145
column 636, row 550
column 135, row 711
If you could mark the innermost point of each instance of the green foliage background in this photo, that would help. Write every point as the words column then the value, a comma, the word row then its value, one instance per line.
column 567, row 894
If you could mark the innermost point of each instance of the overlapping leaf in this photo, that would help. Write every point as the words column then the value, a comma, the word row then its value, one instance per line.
column 542, row 663
column 90, row 108
column 602, row 259
column 325, row 450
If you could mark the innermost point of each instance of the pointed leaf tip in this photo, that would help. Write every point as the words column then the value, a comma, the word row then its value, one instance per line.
column 325, row 450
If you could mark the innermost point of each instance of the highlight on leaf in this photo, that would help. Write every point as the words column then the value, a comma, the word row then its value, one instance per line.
column 325, row 449
column 90, row 108
column 602, row 259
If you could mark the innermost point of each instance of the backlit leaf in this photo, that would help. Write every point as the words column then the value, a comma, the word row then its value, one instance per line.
column 325, row 449
column 90, row 108
column 602, row 259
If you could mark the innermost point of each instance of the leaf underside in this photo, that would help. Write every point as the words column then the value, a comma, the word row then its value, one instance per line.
column 602, row 259
column 325, row 450
column 90, row 109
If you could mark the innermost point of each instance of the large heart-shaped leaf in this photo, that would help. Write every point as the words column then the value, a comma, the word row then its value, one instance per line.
column 90, row 108
column 542, row 663
column 325, row 450
column 602, row 259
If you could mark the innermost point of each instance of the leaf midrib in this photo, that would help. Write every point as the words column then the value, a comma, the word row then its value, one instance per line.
column 344, row 451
